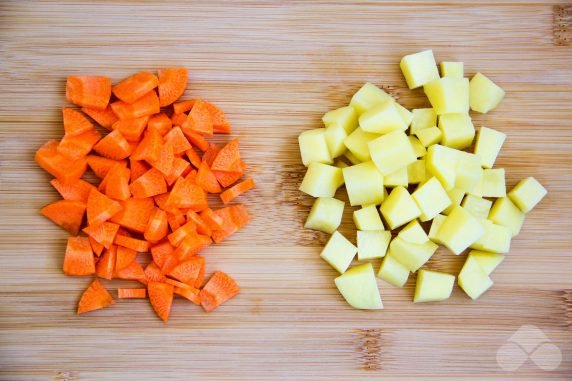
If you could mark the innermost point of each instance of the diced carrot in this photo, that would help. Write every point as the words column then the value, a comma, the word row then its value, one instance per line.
column 180, row 166
column 79, row 257
column 227, row 157
column 113, row 146
column 138, row 245
column 178, row 140
column 138, row 168
column 100, row 208
column 160, row 122
column 202, row 227
column 135, row 214
column 199, row 120
column 66, row 214
column 218, row 290
column 190, row 271
column 165, row 161
column 207, row 180
column 194, row 157
column 161, row 297
column 197, row 140
column 117, row 186
column 58, row 165
column 131, row 129
column 75, row 123
column 103, row 233
column 228, row 225
column 160, row 251
column 105, row 118
column 172, row 84
column 76, row 190
column 183, row 106
column 131, row 293
column 213, row 220
column 191, row 294
column 118, row 164
column 131, row 89
column 174, row 221
column 148, row 104
column 96, row 247
column 239, row 215
column 150, row 184
column 153, row 273
column 226, row 179
column 210, row 154
column 94, row 298
column 161, row 202
column 150, row 146
column 125, row 256
column 78, row 146
column 176, row 283
column 220, row 123
column 187, row 194
column 85, row 91
column 133, row 271
column 191, row 245
column 106, row 265
column 178, row 119
column 100, row 166
column 192, row 175
column 232, row 193
column 177, row 236
column 170, row 262
column 157, row 226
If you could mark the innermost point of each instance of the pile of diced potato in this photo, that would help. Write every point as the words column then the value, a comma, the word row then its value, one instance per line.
column 419, row 155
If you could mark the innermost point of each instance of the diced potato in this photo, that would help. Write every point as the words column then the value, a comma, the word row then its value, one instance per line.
column 485, row 94
column 339, row 252
column 442, row 162
column 321, row 180
column 458, row 130
column 414, row 233
column 382, row 119
column 496, row 238
column 477, row 191
column 372, row 244
column 357, row 144
column 452, row 69
column 416, row 172
column 359, row 287
column 527, row 194
column 488, row 145
column 397, row 178
column 368, row 218
column 488, row 261
column 456, row 196
column 433, row 286
column 412, row 255
column 364, row 184
column 431, row 199
column 423, row 118
column 351, row 157
column 460, row 230
column 477, row 206
column 418, row 148
column 367, row 97
column 406, row 115
column 393, row 272
column 335, row 136
column 469, row 172
column 429, row 136
column 313, row 147
column 325, row 215
column 419, row 68
column 473, row 279
column 448, row 95
column 391, row 152
column 399, row 208
column 493, row 183
column 435, row 226
column 505, row 213
column 343, row 116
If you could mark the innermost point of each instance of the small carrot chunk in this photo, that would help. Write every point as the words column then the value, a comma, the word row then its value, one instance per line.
column 150, row 184
column 133, row 271
column 172, row 84
column 94, row 298
column 131, row 89
column 131, row 129
column 103, row 233
column 132, row 293
column 218, row 290
column 147, row 105
column 76, row 190
column 106, row 265
column 190, row 271
column 100, row 208
column 160, row 122
column 59, row 165
column 105, row 118
column 78, row 259
column 190, row 293
column 101, row 166
column 88, row 91
column 125, row 256
column 157, row 227
column 135, row 214
column 138, row 245
column 75, row 123
column 113, row 146
column 238, row 189
column 161, row 298
column 199, row 120
column 207, row 180
column 66, row 214
column 160, row 251
column 183, row 106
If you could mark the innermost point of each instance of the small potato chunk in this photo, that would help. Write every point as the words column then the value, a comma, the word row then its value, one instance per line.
column 357, row 144
column 418, row 147
column 430, row 136
column 527, row 194
column 364, row 184
column 406, row 115
column 431, row 199
column 477, row 206
column 485, row 95
column 488, row 261
column 359, row 287
column 339, row 252
column 456, row 196
column 313, row 147
column 351, row 157
column 442, row 163
column 391, row 152
column 343, row 116
column 458, row 130
column 416, row 172
column 505, row 213
column 414, row 233
column 393, row 272
column 372, row 244
column 397, row 178
column 382, row 119
column 473, row 279
column 399, row 208
column 335, row 136
column 448, row 95
column 419, row 68
column 367, row 97
column 460, row 230
column 495, row 240
column 423, row 118
column 433, row 286
column 325, row 215
column 488, row 145
column 452, row 69
column 367, row 218
column 469, row 172
column 435, row 226
column 412, row 255
column 321, row 180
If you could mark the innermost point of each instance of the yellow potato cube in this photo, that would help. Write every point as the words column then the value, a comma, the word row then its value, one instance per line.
column 367, row 218
column 339, row 252
column 423, row 118
column 399, row 208
column 477, row 206
column 431, row 199
column 460, row 230
column 325, row 215
column 448, row 95
column 343, row 116
column 367, row 97
column 416, row 172
column 469, row 172
column 313, row 147
column 493, row 184
column 458, row 130
column 419, row 68
column 433, row 286
column 359, row 287
column 406, row 115
column 418, row 148
column 412, row 255
column 473, row 279
column 357, row 144
column 321, row 180
column 496, row 238
column 391, row 152
column 429, row 136
column 396, row 178
column 382, row 119
column 414, row 233
column 364, row 184
column 527, row 194
column 456, row 196
column 505, row 213
column 335, row 136
column 452, row 69
column 435, row 226
column 442, row 163
column 485, row 95
column 488, row 261
column 372, row 244
column 351, row 157
column 393, row 272
column 488, row 145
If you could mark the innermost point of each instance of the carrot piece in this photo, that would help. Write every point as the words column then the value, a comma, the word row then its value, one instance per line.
column 187, row 194
column 133, row 271
column 94, row 298
column 170, row 262
column 239, row 215
column 131, row 129
column 161, row 202
column 160, row 251
column 220, row 123
column 192, row 175
column 191, row 245
column 148, row 104
column 199, row 120
column 101, row 166
column 76, row 190
column 180, row 166
column 202, row 227
column 197, row 140
column 105, row 118
column 75, row 123
column 135, row 214
column 160, row 122
column 178, row 119
column 207, row 180
column 138, row 245
column 117, row 186
column 150, row 184
column 165, row 161
column 232, row 193
column 227, row 157
column 218, row 290
column 106, row 265
column 183, row 106
column 190, row 293
column 172, row 84
column 58, row 165
column 79, row 257
column 96, row 247
column 132, row 293
column 78, row 146
column 103, row 233
column 100, row 208
column 161, row 298
column 157, row 227
column 210, row 154
column 103, row 184
column 174, row 220
column 150, row 146
column 213, row 220
column 177, row 236
column 113, row 146
column 88, row 91
column 176, row 283
column 226, row 179
column 153, row 273
column 178, row 140
column 124, row 257
column 131, row 89
column 137, row 168
column 194, row 157
column 190, row 271
column 66, row 214
column 228, row 226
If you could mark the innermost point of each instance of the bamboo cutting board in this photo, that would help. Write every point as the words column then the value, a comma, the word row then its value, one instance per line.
column 275, row 68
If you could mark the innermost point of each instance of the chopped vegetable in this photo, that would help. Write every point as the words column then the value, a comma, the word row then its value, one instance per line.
column 94, row 298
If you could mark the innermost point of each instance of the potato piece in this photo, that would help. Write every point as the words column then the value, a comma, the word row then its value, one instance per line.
column 339, row 252
column 458, row 130
column 527, row 194
column 367, row 97
column 372, row 244
column 429, row 136
column 412, row 255
column 321, row 180
column 419, row 68
column 414, row 233
column 416, row 172
column 488, row 261
column 456, row 196
column 397, row 178
column 357, row 144
column 325, row 215
column 477, row 206
column 505, row 213
column 418, row 148
column 496, row 238
column 393, row 272
column 435, row 226
column 399, row 208
column 442, row 163
column 452, row 69
column 367, row 218
column 364, row 184
column 473, row 279
column 351, row 157
column 423, row 118
column 391, row 152
column 493, row 184
column 488, row 145
column 485, row 95
column 382, row 119
column 359, row 287
column 431, row 199
column 343, row 116
column 335, row 136
column 448, row 95
column 313, row 147
column 460, row 230
column 468, row 173
column 406, row 115
column 433, row 286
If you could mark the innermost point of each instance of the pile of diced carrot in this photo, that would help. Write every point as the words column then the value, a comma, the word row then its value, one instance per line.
column 152, row 196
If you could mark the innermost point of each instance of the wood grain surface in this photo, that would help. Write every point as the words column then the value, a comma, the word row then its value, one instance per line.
column 275, row 68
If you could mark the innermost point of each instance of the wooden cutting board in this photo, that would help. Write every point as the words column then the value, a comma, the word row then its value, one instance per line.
column 275, row 68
